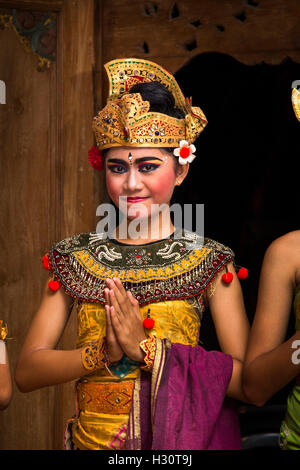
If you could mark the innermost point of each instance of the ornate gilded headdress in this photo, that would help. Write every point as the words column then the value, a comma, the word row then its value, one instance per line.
column 296, row 103
column 126, row 119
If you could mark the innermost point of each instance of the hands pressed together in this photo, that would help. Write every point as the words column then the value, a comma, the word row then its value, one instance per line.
column 124, row 325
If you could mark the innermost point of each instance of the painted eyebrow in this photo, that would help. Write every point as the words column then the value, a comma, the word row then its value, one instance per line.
column 138, row 160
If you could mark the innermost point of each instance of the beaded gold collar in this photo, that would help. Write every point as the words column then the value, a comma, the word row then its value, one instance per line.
column 174, row 268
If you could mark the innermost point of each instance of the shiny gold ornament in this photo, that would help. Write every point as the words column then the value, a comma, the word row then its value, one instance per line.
column 296, row 103
column 126, row 120
column 3, row 330
column 94, row 355
column 148, row 346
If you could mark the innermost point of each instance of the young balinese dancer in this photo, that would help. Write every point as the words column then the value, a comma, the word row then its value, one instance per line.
column 143, row 381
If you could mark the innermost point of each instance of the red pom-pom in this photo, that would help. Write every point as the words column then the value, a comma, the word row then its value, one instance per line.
column 53, row 285
column 45, row 262
column 96, row 158
column 149, row 323
column 242, row 273
column 184, row 152
column 227, row 277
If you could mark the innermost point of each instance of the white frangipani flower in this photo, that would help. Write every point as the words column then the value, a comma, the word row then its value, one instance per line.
column 185, row 152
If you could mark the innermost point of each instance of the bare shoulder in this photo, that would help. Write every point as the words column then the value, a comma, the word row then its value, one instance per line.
column 286, row 245
column 284, row 252
column 48, row 322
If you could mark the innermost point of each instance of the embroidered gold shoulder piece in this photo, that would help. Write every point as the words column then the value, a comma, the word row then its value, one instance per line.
column 175, row 268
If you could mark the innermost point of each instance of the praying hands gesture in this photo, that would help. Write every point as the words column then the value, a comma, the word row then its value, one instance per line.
column 124, row 323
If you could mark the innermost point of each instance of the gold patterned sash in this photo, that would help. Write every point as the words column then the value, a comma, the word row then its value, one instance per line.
column 105, row 397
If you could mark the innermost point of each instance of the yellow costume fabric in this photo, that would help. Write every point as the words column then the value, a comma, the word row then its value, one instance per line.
column 177, row 320
column 168, row 277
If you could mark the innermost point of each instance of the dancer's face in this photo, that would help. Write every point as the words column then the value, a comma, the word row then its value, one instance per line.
column 143, row 176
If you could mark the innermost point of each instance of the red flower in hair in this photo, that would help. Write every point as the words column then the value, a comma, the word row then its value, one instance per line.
column 96, row 158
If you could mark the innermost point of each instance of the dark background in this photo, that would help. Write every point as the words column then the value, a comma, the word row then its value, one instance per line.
column 246, row 170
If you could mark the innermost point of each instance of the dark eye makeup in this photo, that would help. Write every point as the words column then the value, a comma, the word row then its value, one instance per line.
column 147, row 167
column 116, row 168
column 142, row 167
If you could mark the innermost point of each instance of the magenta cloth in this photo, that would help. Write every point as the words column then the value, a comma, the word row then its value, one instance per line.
column 191, row 411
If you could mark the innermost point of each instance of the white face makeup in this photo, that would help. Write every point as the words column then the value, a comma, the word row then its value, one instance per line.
column 140, row 181
column 140, row 175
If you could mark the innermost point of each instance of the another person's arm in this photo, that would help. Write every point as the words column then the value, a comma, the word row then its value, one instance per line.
column 269, row 366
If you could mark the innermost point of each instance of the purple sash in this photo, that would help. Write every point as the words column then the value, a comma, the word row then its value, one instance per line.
column 181, row 405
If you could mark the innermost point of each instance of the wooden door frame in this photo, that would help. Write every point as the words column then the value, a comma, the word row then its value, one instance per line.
column 72, row 33
column 39, row 5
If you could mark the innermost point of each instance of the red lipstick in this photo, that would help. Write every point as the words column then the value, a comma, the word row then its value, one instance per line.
column 136, row 199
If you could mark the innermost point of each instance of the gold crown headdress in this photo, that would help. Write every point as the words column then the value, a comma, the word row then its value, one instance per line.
column 126, row 119
column 296, row 103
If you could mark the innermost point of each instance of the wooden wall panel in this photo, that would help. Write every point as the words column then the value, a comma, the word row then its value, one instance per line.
column 47, row 193
column 171, row 32
column 75, row 54
column 26, row 225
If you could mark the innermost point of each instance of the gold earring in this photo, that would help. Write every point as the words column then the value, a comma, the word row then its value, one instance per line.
column 178, row 183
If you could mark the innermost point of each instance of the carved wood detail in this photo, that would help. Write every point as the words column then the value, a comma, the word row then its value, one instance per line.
column 171, row 32
column 36, row 31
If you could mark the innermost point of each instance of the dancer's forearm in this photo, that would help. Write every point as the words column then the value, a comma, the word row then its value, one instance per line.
column 235, row 387
column 270, row 372
column 45, row 367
